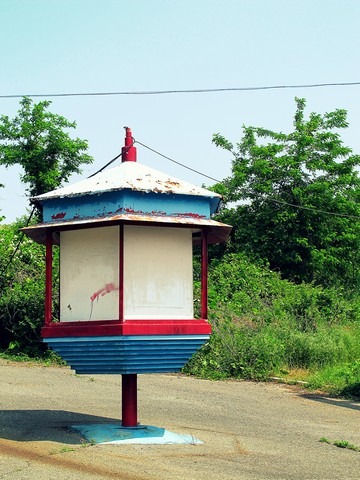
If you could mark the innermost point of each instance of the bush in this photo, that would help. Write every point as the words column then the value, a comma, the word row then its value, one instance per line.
column 263, row 325
column 22, row 284
column 238, row 349
column 343, row 379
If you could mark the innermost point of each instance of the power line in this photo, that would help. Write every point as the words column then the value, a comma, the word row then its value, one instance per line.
column 178, row 163
column 103, row 168
column 125, row 150
column 316, row 210
column 194, row 90
column 274, row 200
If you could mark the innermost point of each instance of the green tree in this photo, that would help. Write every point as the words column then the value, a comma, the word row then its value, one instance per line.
column 1, row 217
column 37, row 140
column 294, row 199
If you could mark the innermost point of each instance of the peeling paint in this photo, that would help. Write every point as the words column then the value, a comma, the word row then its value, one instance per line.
column 217, row 232
column 128, row 175
column 189, row 215
column 131, row 210
column 58, row 215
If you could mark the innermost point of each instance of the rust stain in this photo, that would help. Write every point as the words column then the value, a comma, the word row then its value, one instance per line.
column 189, row 215
column 19, row 451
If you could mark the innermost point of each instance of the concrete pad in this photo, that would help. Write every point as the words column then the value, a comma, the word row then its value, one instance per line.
column 111, row 433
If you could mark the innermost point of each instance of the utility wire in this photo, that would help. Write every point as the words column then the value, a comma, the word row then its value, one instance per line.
column 316, row 210
column 194, row 90
column 178, row 163
column 105, row 166
column 282, row 202
column 113, row 160
column 274, row 200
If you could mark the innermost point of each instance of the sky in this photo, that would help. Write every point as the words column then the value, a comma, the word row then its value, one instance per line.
column 82, row 46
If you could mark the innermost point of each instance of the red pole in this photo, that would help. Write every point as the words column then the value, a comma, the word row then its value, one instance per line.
column 48, row 278
column 128, row 152
column 204, row 275
column 129, row 400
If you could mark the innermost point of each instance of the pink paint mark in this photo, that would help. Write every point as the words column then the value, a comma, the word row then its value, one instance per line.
column 58, row 215
column 109, row 287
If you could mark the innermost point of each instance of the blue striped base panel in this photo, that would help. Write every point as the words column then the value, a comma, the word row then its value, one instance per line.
column 127, row 354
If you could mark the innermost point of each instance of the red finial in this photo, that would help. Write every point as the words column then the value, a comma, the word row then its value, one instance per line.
column 128, row 151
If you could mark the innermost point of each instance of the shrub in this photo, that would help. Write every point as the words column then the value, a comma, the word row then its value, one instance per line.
column 262, row 324
column 22, row 284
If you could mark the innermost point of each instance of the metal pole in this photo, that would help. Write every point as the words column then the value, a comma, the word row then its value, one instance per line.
column 129, row 400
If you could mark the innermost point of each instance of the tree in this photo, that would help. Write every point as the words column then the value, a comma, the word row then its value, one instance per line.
column 1, row 186
column 36, row 140
column 294, row 199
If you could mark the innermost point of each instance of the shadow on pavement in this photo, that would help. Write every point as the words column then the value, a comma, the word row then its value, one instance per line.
column 45, row 425
column 338, row 402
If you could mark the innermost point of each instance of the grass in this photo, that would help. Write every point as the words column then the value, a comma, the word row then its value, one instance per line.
column 48, row 358
column 343, row 379
column 266, row 327
column 66, row 449
column 341, row 444
column 326, row 359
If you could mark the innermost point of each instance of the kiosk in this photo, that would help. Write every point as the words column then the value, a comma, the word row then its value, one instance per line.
column 126, row 238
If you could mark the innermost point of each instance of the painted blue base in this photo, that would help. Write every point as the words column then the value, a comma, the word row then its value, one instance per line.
column 127, row 354
column 109, row 433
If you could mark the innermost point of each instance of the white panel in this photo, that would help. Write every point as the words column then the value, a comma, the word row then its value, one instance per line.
column 158, row 273
column 89, row 274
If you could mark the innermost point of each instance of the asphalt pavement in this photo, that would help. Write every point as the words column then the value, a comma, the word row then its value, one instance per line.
column 250, row 431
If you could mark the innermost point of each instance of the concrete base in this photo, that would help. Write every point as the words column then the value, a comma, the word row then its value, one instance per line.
column 111, row 433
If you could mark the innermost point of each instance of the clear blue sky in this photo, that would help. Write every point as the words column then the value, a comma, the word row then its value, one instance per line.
column 61, row 46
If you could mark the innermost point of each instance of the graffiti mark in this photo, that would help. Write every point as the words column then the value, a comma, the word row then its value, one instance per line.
column 109, row 287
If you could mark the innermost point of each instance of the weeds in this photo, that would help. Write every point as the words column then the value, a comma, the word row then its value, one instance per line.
column 341, row 444
column 47, row 358
column 264, row 326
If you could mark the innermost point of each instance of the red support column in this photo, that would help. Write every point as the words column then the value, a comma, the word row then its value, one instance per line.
column 204, row 275
column 48, row 278
column 121, row 274
column 129, row 400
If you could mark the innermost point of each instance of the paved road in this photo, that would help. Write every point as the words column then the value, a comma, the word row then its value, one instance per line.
column 250, row 431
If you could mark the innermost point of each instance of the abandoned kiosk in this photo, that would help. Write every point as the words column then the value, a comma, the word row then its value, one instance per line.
column 126, row 239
